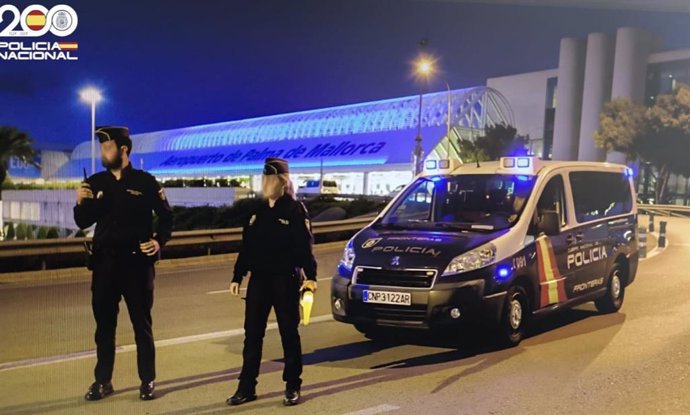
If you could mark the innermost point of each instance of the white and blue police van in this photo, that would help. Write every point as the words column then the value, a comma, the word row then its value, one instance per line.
column 494, row 242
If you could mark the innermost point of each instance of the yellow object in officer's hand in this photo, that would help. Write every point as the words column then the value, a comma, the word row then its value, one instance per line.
column 306, row 302
column 309, row 285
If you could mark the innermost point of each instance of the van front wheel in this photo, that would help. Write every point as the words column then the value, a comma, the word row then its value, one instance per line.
column 615, row 292
column 516, row 312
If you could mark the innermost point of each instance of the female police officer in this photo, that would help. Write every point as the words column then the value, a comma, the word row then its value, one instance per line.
column 277, row 253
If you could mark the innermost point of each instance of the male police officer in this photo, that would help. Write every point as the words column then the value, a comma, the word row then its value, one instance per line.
column 277, row 252
column 120, row 202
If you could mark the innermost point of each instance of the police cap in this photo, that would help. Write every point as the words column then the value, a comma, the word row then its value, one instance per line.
column 119, row 134
column 274, row 165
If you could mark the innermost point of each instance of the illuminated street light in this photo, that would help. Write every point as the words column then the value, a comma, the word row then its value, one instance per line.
column 92, row 96
column 425, row 67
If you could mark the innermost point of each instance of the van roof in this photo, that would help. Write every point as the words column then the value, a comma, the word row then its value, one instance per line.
column 540, row 167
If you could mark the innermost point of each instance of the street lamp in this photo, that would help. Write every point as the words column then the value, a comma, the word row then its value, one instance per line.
column 448, row 120
column 424, row 68
column 92, row 96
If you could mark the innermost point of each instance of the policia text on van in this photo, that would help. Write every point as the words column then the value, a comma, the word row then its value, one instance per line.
column 499, row 243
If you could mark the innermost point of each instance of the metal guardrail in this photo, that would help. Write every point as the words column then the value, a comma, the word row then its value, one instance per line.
column 52, row 247
column 181, row 238
column 665, row 210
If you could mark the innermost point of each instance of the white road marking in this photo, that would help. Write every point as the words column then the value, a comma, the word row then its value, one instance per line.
column 375, row 410
column 132, row 347
column 245, row 289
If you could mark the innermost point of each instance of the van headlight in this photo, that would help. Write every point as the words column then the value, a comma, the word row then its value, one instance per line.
column 348, row 255
column 471, row 260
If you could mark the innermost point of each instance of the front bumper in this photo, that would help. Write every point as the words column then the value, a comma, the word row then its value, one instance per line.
column 430, row 308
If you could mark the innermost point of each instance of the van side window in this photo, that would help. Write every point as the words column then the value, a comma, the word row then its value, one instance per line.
column 553, row 199
column 600, row 194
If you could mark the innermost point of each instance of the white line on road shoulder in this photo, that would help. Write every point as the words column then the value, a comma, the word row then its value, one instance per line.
column 375, row 410
column 245, row 289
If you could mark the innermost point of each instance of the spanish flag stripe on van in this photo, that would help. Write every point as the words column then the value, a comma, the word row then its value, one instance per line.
column 551, row 282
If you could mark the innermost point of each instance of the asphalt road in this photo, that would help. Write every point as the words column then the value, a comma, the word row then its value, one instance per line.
column 636, row 361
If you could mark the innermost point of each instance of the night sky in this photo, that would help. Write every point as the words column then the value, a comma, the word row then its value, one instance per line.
column 171, row 64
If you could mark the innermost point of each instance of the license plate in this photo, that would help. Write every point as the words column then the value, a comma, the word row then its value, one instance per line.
column 386, row 297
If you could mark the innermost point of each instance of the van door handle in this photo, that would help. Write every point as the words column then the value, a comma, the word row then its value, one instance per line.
column 580, row 236
column 570, row 239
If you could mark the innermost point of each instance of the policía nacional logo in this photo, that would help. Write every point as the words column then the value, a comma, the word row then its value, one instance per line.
column 36, row 21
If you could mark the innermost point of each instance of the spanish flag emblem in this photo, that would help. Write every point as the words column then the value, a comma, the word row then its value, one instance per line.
column 551, row 282
column 36, row 20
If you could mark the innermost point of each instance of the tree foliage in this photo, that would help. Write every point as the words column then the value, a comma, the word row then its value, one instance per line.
column 14, row 143
column 499, row 140
column 659, row 134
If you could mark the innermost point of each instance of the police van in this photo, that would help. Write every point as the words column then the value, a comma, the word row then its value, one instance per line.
column 494, row 242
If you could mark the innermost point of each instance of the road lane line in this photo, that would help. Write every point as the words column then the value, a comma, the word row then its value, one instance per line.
column 375, row 410
column 245, row 289
column 41, row 361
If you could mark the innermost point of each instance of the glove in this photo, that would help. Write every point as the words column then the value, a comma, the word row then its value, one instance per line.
column 309, row 285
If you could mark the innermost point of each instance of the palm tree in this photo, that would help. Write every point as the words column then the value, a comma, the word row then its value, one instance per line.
column 17, row 144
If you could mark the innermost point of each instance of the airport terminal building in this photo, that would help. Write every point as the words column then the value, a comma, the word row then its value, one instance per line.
column 366, row 148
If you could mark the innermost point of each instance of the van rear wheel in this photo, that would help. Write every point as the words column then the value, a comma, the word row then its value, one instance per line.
column 615, row 293
column 516, row 312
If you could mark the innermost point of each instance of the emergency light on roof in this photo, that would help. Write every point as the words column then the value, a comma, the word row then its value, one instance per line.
column 443, row 166
column 523, row 165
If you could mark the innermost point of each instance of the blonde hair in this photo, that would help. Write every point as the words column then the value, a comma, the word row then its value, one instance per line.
column 274, row 186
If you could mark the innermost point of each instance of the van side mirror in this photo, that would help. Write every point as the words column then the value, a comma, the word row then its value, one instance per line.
column 549, row 223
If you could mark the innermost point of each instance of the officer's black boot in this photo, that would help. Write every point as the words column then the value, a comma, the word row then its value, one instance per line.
column 292, row 396
column 98, row 391
column 242, row 395
column 147, row 391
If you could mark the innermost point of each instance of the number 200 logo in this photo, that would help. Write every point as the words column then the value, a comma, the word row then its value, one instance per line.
column 36, row 20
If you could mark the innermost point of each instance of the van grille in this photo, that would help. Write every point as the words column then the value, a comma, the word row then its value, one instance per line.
column 396, row 278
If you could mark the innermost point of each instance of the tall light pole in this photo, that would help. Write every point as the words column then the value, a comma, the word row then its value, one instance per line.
column 424, row 68
column 92, row 96
column 448, row 121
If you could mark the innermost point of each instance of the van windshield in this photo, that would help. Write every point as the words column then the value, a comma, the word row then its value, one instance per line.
column 476, row 202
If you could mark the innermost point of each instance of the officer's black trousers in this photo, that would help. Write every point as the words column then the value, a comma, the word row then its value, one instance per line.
column 281, row 293
column 116, row 276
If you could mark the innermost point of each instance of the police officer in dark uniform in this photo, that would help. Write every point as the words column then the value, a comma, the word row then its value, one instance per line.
column 120, row 201
column 277, row 254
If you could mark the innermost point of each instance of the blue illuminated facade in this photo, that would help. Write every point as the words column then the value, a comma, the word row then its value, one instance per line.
column 371, row 136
